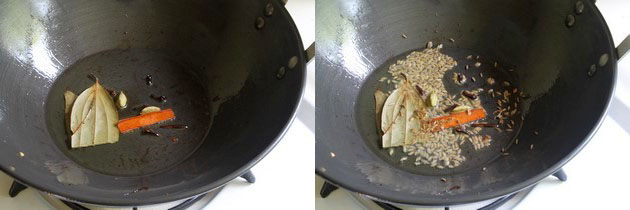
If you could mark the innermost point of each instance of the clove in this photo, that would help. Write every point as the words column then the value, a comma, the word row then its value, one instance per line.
column 174, row 126
column 149, row 131
column 149, row 79
column 159, row 98
column 488, row 125
column 469, row 94
column 450, row 108
column 420, row 90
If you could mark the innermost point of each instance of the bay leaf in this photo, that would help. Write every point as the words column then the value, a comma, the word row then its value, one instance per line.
column 391, row 110
column 412, row 123
column 400, row 122
column 398, row 129
column 93, row 118
column 379, row 101
column 69, row 98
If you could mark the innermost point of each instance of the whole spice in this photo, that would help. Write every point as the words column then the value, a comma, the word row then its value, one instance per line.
column 69, row 97
column 159, row 98
column 379, row 100
column 149, row 79
column 174, row 126
column 399, row 119
column 469, row 94
column 458, row 118
column 150, row 109
column 489, row 125
column 461, row 108
column 121, row 100
column 149, row 131
column 433, row 100
column 420, row 90
column 461, row 129
column 132, row 123
column 426, row 69
column 450, row 108
column 93, row 118
column 460, row 79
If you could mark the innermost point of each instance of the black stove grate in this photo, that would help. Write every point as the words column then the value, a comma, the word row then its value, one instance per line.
column 18, row 187
column 328, row 188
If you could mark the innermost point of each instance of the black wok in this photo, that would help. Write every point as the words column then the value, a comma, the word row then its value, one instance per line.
column 233, row 71
column 550, row 51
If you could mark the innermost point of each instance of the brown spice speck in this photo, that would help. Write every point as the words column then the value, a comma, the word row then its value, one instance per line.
column 469, row 94
column 420, row 90
column 454, row 188
column 174, row 139
column 149, row 131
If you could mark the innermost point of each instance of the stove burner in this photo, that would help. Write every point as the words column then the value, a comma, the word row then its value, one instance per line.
column 17, row 187
column 328, row 188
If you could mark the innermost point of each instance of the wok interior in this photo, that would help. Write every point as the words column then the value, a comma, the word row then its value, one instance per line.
column 551, row 62
column 211, row 58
